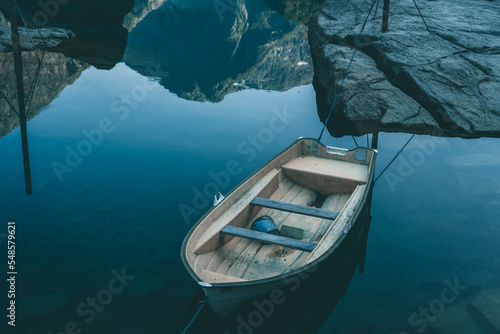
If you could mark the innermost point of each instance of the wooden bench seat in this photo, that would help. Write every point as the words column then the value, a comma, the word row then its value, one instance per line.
column 295, row 208
column 268, row 238
column 330, row 168
column 236, row 213
column 326, row 176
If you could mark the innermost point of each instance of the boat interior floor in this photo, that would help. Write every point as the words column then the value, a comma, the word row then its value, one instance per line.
column 243, row 259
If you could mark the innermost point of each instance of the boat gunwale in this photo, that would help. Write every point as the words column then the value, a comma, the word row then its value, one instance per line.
column 308, row 266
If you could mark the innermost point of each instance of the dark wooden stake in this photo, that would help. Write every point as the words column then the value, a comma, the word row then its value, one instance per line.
column 370, row 193
column 375, row 140
column 367, row 222
column 385, row 16
column 18, row 69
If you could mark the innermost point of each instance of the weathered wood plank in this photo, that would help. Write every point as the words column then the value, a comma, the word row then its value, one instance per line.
column 237, row 214
column 233, row 263
column 268, row 238
column 257, row 251
column 300, row 209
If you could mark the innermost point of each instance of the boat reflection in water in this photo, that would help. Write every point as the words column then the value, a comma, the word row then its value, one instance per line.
column 304, row 304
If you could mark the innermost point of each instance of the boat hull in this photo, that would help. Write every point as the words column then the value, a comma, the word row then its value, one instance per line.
column 224, row 300
column 204, row 239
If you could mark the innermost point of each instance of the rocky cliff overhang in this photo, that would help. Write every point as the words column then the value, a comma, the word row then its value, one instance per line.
column 407, row 79
column 98, row 36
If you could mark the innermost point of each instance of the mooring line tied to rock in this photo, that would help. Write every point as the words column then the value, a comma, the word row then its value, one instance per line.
column 347, row 70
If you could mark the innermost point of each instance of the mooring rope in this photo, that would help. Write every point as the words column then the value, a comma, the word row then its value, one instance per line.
column 395, row 157
column 33, row 84
column 194, row 317
column 27, row 29
column 347, row 71
column 430, row 32
column 376, row 9
column 34, row 23
column 355, row 142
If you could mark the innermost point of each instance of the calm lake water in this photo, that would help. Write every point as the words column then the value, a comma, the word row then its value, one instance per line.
column 117, row 155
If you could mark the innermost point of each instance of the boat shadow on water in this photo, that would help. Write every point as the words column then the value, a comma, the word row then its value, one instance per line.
column 304, row 304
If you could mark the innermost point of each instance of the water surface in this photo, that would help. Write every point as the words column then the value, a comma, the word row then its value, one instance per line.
column 119, row 155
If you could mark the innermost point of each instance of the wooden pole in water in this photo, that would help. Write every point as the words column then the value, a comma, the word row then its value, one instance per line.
column 18, row 69
column 375, row 140
column 370, row 193
column 385, row 16
column 369, row 198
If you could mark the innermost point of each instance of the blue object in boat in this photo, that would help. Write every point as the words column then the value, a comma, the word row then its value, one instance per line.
column 265, row 224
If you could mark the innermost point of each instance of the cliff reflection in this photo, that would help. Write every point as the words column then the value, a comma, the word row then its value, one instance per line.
column 203, row 50
column 100, row 37
column 56, row 72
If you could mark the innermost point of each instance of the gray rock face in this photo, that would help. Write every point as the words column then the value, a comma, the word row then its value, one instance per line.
column 408, row 79
column 141, row 9
column 32, row 39
column 368, row 99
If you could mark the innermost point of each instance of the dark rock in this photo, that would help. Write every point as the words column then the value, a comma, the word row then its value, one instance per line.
column 101, row 52
column 100, row 37
column 83, row 17
column 368, row 99
column 408, row 79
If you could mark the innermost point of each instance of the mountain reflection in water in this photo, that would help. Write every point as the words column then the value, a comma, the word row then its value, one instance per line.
column 198, row 51
column 202, row 52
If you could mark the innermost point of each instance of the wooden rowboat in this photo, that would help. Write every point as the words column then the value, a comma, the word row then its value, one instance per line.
column 314, row 194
